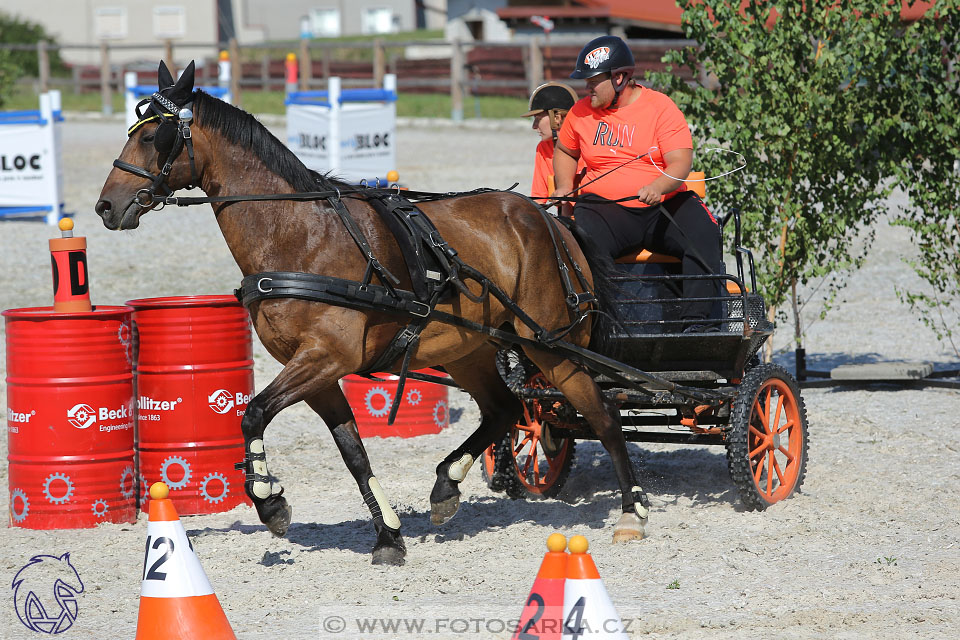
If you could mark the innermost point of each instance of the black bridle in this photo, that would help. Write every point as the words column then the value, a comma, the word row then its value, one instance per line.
column 171, row 137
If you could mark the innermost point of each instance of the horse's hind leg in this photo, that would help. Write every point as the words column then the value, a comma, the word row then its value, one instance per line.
column 332, row 407
column 584, row 394
column 303, row 374
column 499, row 409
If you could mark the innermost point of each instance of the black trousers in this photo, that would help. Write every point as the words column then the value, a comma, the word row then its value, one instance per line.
column 694, row 239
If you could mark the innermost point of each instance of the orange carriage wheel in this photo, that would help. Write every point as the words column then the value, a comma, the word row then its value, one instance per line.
column 540, row 462
column 768, row 440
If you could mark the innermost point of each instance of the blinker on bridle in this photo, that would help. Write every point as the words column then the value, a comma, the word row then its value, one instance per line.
column 170, row 138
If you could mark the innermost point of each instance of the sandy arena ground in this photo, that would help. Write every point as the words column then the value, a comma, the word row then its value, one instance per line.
column 869, row 549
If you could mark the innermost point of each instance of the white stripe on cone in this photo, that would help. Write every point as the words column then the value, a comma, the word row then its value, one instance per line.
column 588, row 612
column 171, row 569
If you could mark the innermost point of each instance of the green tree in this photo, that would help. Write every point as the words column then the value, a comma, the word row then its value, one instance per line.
column 8, row 76
column 926, row 96
column 16, row 30
column 806, row 91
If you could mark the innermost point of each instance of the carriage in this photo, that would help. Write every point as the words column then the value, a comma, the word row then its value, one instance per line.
column 758, row 416
column 343, row 279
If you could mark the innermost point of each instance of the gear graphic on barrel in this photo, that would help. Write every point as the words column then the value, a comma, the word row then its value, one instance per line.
column 206, row 480
column 127, row 476
column 99, row 508
column 440, row 414
column 62, row 499
column 172, row 460
column 144, row 489
column 387, row 401
column 414, row 396
column 20, row 516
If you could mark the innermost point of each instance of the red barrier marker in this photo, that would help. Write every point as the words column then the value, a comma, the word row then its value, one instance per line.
column 71, row 280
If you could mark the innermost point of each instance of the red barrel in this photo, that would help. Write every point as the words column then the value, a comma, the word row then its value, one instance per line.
column 424, row 407
column 70, row 417
column 194, row 379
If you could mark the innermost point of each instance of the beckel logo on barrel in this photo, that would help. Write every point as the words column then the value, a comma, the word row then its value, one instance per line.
column 221, row 401
column 83, row 416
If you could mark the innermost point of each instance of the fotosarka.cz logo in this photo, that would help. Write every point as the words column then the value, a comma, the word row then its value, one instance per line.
column 45, row 594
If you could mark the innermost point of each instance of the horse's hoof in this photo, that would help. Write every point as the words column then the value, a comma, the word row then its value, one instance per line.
column 389, row 555
column 279, row 522
column 629, row 527
column 441, row 512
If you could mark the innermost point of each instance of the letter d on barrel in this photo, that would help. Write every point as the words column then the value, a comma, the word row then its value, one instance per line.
column 71, row 281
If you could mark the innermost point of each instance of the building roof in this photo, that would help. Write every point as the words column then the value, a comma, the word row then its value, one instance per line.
column 648, row 12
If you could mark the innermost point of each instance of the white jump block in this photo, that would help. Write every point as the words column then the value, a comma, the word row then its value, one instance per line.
column 876, row 371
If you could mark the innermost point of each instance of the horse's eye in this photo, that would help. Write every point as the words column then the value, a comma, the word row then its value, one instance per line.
column 147, row 139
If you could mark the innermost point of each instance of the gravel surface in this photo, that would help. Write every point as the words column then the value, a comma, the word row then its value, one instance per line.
column 869, row 549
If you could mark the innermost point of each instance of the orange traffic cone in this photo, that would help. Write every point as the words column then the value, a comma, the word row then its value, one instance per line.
column 176, row 599
column 542, row 615
column 588, row 612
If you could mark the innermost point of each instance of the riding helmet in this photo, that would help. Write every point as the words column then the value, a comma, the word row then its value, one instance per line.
column 606, row 54
column 550, row 96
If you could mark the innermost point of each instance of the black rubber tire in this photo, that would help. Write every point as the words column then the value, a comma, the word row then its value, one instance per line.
column 500, row 478
column 739, row 439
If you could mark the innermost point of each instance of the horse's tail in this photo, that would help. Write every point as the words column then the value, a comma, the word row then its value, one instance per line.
column 606, row 317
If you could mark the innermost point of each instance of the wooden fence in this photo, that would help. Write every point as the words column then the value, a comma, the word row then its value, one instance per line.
column 458, row 68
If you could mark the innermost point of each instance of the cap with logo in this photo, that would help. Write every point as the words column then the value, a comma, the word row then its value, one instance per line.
column 606, row 54
column 552, row 95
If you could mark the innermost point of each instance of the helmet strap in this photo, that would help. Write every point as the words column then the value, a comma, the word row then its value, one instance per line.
column 618, row 88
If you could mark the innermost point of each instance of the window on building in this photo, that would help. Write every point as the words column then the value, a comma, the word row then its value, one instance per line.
column 110, row 23
column 476, row 29
column 169, row 22
column 325, row 23
column 378, row 20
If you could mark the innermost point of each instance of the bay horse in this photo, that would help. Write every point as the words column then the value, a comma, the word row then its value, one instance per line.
column 501, row 234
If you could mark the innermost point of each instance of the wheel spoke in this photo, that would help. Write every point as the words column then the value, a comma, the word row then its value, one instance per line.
column 776, row 467
column 757, row 432
column 759, row 449
column 758, row 471
column 790, row 456
column 519, row 447
column 774, row 426
column 788, row 425
column 770, row 475
column 526, row 467
column 536, row 467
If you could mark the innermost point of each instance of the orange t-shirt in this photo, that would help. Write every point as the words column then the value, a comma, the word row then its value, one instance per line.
column 542, row 171
column 607, row 138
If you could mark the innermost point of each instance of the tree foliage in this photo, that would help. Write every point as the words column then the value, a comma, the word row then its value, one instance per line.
column 927, row 168
column 8, row 76
column 16, row 30
column 812, row 94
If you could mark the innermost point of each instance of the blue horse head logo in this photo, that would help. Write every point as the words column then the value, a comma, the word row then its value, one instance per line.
column 45, row 593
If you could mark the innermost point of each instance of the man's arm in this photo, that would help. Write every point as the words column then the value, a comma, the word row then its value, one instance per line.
column 564, row 168
column 678, row 164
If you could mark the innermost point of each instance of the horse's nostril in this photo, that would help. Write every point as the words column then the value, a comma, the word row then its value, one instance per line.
column 102, row 206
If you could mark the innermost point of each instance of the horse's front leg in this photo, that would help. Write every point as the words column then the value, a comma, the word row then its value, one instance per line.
column 331, row 405
column 303, row 374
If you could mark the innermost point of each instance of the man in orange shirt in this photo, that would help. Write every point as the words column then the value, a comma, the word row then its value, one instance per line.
column 641, row 138
column 549, row 105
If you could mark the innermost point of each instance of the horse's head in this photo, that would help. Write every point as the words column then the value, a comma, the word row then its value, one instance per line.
column 151, row 164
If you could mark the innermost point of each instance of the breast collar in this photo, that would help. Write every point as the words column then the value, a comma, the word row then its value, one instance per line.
column 169, row 115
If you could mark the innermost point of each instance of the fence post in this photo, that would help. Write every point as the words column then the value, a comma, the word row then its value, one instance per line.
column 456, row 82
column 326, row 67
column 168, row 56
column 379, row 62
column 43, row 66
column 106, row 98
column 535, row 68
column 236, row 71
column 306, row 64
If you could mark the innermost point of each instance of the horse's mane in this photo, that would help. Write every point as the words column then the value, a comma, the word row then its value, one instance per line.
column 241, row 128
